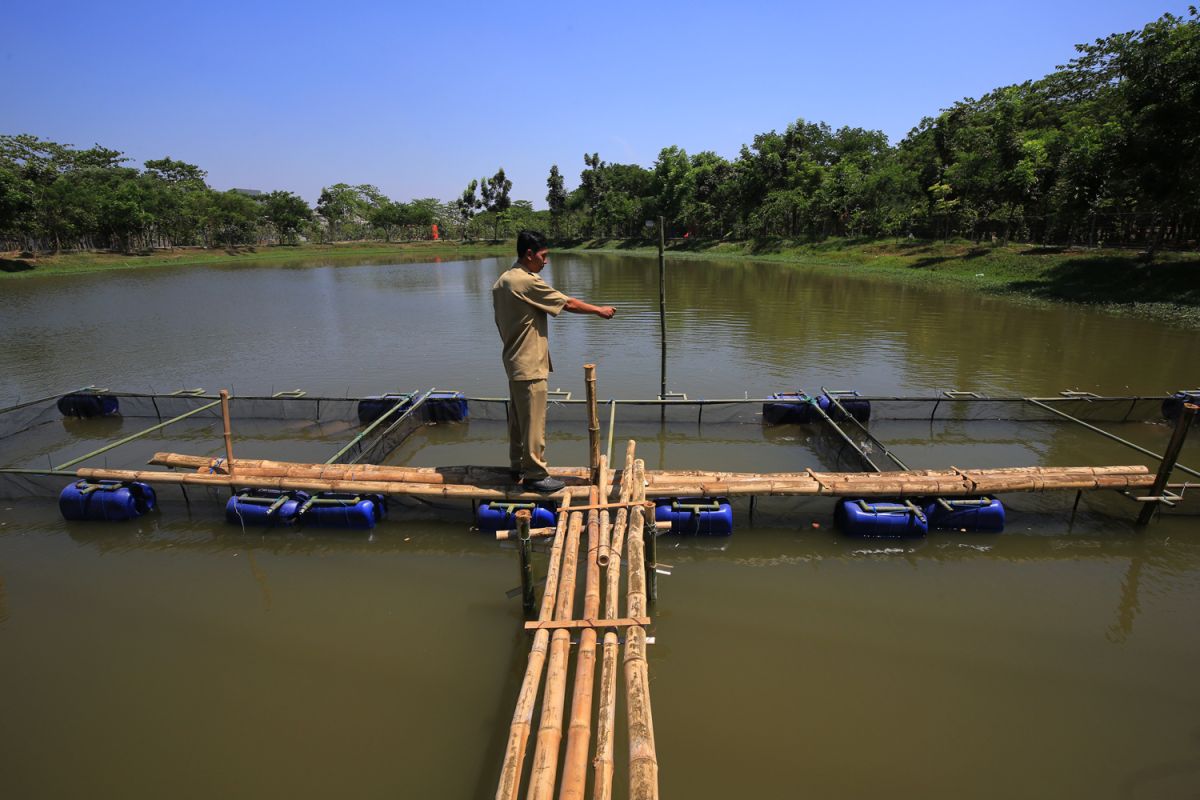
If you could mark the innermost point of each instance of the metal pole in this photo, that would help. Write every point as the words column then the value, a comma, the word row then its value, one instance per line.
column 589, row 377
column 224, row 401
column 838, row 405
column 137, row 435
column 525, row 548
column 1105, row 433
column 367, row 430
column 662, row 304
column 1182, row 425
column 866, row 458
column 612, row 423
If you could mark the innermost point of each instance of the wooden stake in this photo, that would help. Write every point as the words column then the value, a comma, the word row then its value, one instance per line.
column 589, row 376
column 228, row 430
column 526, row 551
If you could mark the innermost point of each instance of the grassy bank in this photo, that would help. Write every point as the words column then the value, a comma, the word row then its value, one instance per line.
column 1122, row 281
column 12, row 265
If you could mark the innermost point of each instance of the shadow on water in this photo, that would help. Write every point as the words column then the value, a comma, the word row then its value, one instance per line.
column 1098, row 279
column 15, row 265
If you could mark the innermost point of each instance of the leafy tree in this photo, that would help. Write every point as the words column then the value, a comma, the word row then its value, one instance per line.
column 467, row 205
column 495, row 199
column 287, row 212
column 556, row 198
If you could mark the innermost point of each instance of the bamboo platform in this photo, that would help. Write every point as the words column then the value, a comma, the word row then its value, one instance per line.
column 581, row 763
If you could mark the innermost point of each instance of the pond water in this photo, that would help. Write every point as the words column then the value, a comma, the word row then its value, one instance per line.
column 179, row 656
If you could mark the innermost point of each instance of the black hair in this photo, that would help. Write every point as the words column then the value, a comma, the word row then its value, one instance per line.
column 530, row 240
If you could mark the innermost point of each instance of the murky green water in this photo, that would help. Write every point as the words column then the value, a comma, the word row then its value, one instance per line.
column 178, row 656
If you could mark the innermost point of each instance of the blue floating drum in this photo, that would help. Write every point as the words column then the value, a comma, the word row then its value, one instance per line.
column 704, row 516
column 343, row 510
column 88, row 404
column 445, row 407
column 793, row 408
column 970, row 514
column 492, row 517
column 264, row 506
column 107, row 501
column 888, row 520
column 374, row 407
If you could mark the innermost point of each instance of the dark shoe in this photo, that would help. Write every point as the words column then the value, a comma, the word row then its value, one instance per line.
column 545, row 485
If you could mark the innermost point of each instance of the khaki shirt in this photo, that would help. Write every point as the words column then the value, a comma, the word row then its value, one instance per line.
column 521, row 301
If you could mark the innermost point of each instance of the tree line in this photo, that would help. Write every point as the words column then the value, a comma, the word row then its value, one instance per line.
column 1105, row 149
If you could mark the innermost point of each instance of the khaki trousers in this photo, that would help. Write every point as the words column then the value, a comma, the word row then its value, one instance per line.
column 527, row 428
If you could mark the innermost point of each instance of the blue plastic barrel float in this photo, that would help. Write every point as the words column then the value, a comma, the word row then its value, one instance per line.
column 794, row 408
column 88, row 404
column 697, row 516
column 1172, row 407
column 342, row 510
column 492, row 517
column 445, row 407
column 107, row 501
column 373, row 407
column 854, row 406
column 264, row 506
column 886, row 519
column 984, row 514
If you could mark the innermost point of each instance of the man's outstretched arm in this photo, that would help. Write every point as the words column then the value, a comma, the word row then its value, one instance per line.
column 577, row 306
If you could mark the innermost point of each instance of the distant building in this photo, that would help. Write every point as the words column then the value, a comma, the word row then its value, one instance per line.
column 250, row 192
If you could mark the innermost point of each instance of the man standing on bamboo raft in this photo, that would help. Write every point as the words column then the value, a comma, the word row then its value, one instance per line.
column 521, row 300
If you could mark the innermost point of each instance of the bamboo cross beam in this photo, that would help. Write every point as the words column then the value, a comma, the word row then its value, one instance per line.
column 578, row 624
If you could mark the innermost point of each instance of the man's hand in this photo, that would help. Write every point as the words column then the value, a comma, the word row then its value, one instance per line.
column 577, row 306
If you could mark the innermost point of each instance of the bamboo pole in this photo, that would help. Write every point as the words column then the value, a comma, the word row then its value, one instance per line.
column 606, row 718
column 579, row 732
column 549, row 738
column 602, row 545
column 138, row 435
column 589, row 376
column 860, row 485
column 518, row 733
column 228, row 431
column 486, row 476
column 643, row 758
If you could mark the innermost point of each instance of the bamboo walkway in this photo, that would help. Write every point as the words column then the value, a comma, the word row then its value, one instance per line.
column 603, row 553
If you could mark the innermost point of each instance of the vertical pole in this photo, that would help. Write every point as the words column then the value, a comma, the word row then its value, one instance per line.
column 525, row 547
column 228, row 432
column 662, row 304
column 1186, row 414
column 650, row 535
column 589, row 375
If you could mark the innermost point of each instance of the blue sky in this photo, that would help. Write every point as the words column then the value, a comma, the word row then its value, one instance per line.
column 421, row 98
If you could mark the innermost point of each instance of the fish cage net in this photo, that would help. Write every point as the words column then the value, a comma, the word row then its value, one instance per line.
column 438, row 429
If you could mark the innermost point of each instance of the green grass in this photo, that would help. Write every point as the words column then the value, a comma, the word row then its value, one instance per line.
column 1119, row 281
column 13, row 266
